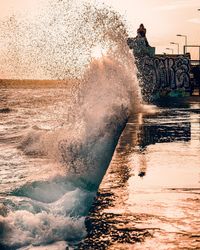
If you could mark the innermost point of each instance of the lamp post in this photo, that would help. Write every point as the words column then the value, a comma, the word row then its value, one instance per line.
column 171, row 50
column 184, row 47
column 177, row 46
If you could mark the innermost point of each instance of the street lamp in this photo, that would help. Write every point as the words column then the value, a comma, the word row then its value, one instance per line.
column 184, row 47
column 177, row 46
column 171, row 50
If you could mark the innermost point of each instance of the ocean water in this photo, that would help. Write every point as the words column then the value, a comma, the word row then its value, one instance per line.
column 148, row 197
column 34, row 204
column 57, row 138
column 56, row 144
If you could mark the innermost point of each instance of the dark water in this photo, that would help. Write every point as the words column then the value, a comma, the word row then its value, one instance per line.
column 150, row 196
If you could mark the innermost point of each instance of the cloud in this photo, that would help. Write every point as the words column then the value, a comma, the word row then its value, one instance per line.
column 178, row 4
column 194, row 20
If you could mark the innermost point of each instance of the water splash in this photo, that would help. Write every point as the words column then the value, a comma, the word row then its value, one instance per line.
column 54, row 42
column 60, row 41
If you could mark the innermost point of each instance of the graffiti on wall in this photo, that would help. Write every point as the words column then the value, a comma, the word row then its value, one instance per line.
column 165, row 73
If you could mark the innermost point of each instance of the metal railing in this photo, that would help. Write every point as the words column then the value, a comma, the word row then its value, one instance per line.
column 193, row 62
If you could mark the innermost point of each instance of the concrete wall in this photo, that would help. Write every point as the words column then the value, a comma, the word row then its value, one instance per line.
column 161, row 75
column 164, row 75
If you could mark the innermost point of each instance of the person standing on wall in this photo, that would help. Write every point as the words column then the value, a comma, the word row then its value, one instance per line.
column 141, row 33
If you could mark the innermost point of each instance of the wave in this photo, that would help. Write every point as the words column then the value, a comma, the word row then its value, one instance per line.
column 53, row 210
column 47, row 211
column 102, row 99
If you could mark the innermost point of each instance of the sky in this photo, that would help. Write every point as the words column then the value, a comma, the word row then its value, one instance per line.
column 163, row 19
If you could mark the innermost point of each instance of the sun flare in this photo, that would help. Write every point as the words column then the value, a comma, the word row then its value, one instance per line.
column 98, row 52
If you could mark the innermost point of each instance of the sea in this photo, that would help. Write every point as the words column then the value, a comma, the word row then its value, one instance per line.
column 57, row 140
column 148, row 195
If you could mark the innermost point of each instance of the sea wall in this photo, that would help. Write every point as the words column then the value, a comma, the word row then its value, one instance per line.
column 164, row 75
column 161, row 75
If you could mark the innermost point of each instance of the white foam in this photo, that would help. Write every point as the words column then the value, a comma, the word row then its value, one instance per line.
column 60, row 245
column 23, row 228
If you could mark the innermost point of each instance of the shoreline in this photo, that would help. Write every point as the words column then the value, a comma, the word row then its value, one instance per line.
column 32, row 83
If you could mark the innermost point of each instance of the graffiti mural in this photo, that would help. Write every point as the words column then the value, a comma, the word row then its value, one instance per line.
column 164, row 75
column 160, row 75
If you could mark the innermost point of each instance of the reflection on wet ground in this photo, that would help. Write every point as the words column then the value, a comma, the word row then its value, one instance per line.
column 150, row 196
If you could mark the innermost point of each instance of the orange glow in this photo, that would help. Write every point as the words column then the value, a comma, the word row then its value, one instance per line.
column 98, row 52
column 163, row 20
column 11, row 6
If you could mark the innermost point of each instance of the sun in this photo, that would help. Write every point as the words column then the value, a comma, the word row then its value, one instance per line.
column 98, row 52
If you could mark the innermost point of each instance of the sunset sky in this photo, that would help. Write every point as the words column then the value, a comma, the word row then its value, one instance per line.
column 163, row 19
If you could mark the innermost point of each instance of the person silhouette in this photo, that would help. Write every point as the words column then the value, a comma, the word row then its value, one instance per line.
column 141, row 33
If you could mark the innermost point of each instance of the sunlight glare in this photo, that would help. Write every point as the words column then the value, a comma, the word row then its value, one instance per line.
column 98, row 52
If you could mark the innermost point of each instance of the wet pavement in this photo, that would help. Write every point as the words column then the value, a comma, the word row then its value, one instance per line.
column 150, row 196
